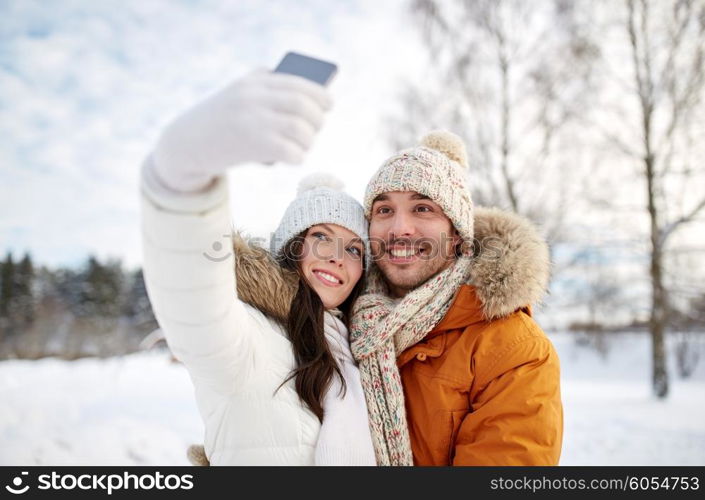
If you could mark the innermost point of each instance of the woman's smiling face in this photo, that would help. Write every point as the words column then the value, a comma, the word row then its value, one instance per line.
column 332, row 262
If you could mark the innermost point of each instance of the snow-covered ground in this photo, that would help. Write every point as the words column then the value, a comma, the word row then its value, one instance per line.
column 139, row 410
column 611, row 417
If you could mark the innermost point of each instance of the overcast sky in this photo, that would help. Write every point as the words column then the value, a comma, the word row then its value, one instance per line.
column 86, row 86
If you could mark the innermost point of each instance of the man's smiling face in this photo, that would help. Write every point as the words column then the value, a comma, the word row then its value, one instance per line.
column 411, row 239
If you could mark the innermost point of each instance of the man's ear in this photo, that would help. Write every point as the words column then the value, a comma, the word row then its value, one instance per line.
column 457, row 243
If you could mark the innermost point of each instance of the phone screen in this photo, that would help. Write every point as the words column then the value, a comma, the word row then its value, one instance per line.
column 307, row 67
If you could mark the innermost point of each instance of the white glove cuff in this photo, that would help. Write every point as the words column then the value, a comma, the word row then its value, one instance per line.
column 166, row 198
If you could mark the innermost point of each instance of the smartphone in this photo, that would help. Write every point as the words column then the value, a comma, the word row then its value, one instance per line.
column 316, row 70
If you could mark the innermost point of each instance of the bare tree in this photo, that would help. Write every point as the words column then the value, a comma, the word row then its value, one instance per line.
column 653, row 101
column 509, row 76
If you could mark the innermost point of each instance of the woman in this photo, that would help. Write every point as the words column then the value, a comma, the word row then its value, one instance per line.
column 264, row 336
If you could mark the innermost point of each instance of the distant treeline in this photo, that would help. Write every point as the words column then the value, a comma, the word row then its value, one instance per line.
column 98, row 309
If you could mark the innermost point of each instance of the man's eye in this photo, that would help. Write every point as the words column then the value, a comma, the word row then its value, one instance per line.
column 384, row 210
column 424, row 208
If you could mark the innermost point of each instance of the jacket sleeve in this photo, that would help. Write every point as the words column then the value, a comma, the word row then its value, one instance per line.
column 517, row 415
column 190, row 277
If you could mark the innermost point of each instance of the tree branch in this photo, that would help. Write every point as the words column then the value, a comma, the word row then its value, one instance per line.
column 668, row 229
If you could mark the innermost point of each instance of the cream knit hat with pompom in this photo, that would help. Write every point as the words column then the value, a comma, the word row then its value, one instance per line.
column 437, row 168
column 320, row 199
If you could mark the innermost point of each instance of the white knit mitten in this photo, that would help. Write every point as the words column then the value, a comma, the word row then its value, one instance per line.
column 263, row 117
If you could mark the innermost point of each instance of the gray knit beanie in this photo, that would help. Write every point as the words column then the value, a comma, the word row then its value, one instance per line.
column 320, row 199
column 436, row 168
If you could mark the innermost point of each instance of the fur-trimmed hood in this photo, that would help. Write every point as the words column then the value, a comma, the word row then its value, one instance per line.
column 511, row 268
column 261, row 281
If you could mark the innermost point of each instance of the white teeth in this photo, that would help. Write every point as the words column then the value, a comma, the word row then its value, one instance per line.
column 328, row 277
column 405, row 252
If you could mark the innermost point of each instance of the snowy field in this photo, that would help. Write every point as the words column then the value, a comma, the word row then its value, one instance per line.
column 139, row 410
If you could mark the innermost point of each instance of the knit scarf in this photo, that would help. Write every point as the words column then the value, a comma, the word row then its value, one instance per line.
column 381, row 330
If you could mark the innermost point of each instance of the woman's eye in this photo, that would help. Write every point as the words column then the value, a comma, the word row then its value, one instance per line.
column 356, row 251
column 319, row 236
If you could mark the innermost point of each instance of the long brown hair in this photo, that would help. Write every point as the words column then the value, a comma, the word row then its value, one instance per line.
column 315, row 365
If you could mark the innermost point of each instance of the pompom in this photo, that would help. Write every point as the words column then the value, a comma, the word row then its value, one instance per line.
column 319, row 180
column 447, row 143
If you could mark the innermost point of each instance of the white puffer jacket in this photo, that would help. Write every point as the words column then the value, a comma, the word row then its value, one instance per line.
column 236, row 355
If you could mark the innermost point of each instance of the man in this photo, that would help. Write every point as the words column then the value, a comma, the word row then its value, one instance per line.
column 454, row 368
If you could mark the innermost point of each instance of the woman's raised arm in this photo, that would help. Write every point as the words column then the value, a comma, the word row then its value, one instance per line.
column 186, row 226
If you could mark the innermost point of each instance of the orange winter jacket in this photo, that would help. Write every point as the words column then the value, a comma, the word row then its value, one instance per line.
column 483, row 387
